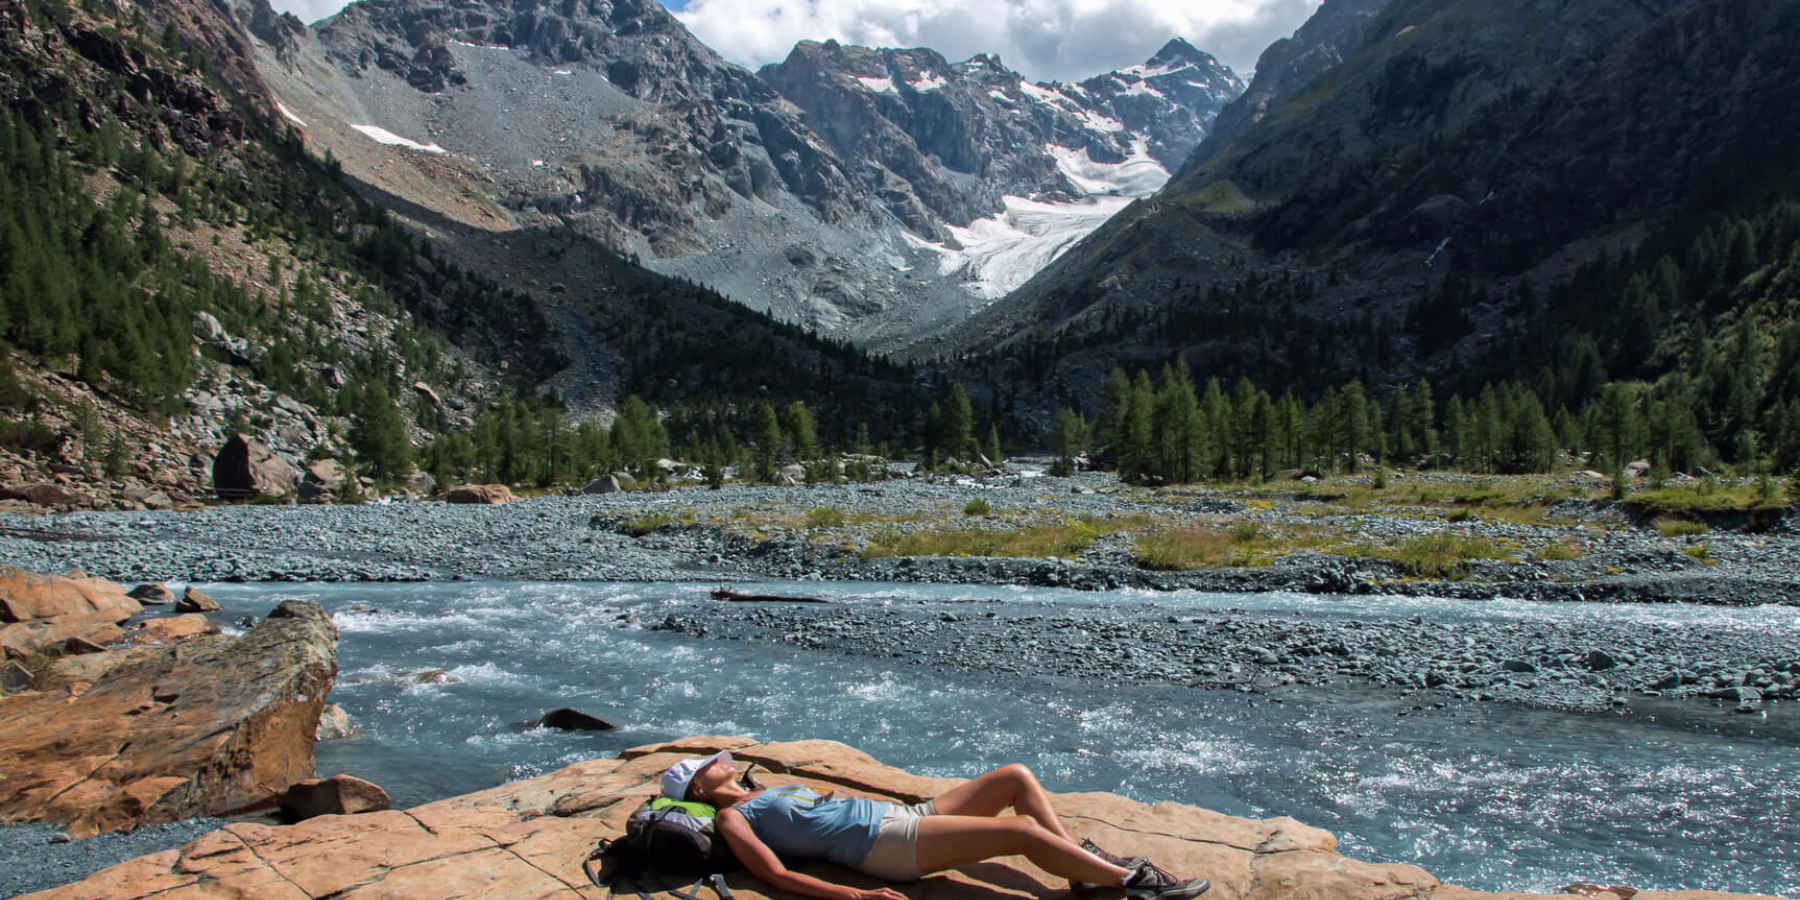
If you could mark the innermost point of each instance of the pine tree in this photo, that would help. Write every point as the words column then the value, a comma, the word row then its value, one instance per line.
column 1175, row 426
column 934, row 436
column 1456, row 430
column 1135, row 447
column 379, row 435
column 959, row 422
column 801, row 432
column 1214, row 455
column 768, row 442
column 1115, row 396
column 1354, row 432
column 993, row 445
column 1068, row 434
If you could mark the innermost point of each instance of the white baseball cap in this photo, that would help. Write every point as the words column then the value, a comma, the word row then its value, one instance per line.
column 675, row 781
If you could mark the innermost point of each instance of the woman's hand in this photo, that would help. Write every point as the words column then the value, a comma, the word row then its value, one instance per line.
column 877, row 894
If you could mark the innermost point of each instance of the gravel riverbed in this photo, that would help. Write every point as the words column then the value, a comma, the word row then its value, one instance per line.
column 1572, row 663
column 38, row 857
column 751, row 532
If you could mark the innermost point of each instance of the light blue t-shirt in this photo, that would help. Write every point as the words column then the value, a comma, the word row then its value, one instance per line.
column 798, row 822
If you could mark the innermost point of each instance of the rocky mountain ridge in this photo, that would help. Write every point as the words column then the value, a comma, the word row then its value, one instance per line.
column 1287, row 67
column 1458, row 150
column 610, row 120
column 188, row 271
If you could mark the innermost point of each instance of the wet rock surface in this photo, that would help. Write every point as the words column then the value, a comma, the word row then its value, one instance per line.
column 528, row 839
column 155, row 734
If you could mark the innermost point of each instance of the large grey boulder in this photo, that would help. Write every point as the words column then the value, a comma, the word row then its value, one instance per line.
column 247, row 468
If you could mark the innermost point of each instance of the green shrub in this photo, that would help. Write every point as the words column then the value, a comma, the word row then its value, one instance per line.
column 1563, row 551
column 825, row 517
column 1680, row 528
column 644, row 523
column 26, row 437
column 978, row 507
column 1442, row 555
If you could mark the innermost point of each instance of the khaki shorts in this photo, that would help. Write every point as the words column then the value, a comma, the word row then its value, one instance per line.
column 895, row 854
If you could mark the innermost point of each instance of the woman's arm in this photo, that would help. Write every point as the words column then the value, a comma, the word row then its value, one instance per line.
column 764, row 864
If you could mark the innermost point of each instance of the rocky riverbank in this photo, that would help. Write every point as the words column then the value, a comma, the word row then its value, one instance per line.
column 1591, row 666
column 1088, row 532
column 529, row 838
column 109, row 728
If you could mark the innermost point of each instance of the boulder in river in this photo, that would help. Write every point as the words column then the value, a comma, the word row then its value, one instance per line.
column 339, row 795
column 26, row 595
column 481, row 494
column 167, row 733
column 245, row 469
column 529, row 838
column 606, row 484
column 152, row 594
column 192, row 601
column 335, row 725
column 566, row 719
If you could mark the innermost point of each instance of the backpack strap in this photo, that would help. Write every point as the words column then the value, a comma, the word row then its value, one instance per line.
column 715, row 881
column 587, row 865
column 719, row 886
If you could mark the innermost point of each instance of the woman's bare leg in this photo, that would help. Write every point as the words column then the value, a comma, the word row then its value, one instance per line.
column 1013, row 786
column 948, row 841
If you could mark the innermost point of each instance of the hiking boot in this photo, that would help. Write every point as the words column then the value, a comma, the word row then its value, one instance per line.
column 1151, row 883
column 1123, row 862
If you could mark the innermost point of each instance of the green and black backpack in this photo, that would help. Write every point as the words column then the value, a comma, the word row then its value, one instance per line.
column 668, row 844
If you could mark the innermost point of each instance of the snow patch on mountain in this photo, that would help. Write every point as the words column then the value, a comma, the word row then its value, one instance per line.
column 879, row 85
column 288, row 115
column 996, row 254
column 383, row 136
column 1138, row 176
column 1044, row 95
column 927, row 82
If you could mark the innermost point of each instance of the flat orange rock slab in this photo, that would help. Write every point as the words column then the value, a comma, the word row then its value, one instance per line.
column 164, row 732
column 528, row 839
column 25, row 596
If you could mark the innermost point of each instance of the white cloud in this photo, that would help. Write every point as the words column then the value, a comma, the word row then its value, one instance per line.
column 1046, row 40
column 309, row 11
column 1043, row 39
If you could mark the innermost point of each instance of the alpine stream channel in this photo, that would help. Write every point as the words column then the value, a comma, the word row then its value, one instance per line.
column 441, row 680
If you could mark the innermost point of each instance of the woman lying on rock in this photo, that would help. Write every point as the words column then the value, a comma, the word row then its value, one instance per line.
column 894, row 842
